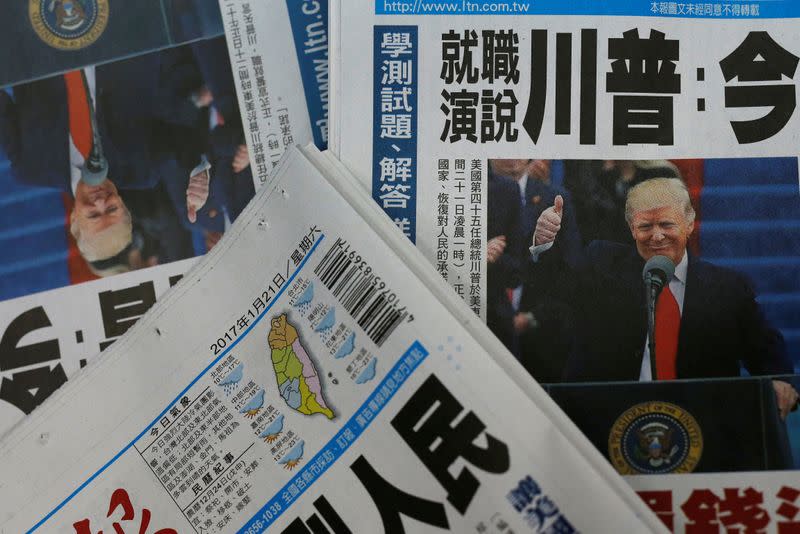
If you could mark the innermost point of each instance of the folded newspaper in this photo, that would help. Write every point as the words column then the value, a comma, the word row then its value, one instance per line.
column 446, row 91
column 166, row 95
column 304, row 374
column 469, row 122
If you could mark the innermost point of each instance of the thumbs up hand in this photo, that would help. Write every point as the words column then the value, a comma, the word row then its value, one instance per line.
column 549, row 223
column 196, row 194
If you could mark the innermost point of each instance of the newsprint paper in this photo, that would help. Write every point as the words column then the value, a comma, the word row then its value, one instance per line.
column 468, row 121
column 305, row 377
column 439, row 88
column 170, row 105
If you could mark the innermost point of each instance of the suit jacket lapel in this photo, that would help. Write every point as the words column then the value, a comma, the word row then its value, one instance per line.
column 691, row 314
column 635, row 266
column 631, row 286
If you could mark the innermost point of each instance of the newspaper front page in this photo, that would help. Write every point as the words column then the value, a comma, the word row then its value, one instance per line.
column 304, row 377
column 473, row 124
column 82, row 262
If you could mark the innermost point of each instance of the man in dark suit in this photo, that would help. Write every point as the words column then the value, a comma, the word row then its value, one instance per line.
column 541, row 319
column 718, row 323
column 152, row 119
column 503, row 252
column 202, row 71
column 36, row 131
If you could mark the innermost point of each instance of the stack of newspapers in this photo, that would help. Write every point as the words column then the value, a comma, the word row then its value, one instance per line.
column 288, row 278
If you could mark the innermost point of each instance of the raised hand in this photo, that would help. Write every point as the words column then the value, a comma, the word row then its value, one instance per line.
column 786, row 397
column 241, row 159
column 196, row 194
column 495, row 248
column 549, row 223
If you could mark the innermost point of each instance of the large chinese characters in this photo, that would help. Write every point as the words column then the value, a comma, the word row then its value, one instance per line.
column 432, row 416
column 394, row 159
column 760, row 59
column 32, row 379
column 131, row 520
column 500, row 55
column 729, row 510
column 642, row 79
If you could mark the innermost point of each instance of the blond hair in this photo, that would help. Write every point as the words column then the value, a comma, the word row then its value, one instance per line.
column 104, row 244
column 658, row 193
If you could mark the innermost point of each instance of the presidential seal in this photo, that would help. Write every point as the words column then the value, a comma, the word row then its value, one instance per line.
column 68, row 24
column 654, row 438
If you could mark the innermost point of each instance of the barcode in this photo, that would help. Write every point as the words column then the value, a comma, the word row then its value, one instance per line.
column 356, row 286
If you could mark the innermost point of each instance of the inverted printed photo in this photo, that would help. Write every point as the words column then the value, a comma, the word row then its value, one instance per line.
column 119, row 166
column 575, row 248
column 53, row 36
column 121, row 151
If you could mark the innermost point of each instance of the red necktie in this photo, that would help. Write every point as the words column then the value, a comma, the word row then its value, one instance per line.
column 668, row 323
column 80, row 127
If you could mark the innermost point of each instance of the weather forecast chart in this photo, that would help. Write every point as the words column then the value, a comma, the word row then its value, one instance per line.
column 272, row 404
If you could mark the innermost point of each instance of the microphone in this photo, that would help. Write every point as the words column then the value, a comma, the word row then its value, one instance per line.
column 95, row 168
column 656, row 274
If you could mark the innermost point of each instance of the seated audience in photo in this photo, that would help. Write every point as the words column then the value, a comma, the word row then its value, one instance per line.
column 599, row 189
column 504, row 252
column 542, row 321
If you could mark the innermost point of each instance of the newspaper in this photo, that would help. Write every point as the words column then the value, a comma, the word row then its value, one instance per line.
column 360, row 401
column 447, row 86
column 169, row 122
column 48, row 37
column 45, row 342
column 764, row 501
column 279, row 54
column 442, row 114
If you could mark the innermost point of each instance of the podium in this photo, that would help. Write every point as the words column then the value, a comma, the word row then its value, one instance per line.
column 681, row 425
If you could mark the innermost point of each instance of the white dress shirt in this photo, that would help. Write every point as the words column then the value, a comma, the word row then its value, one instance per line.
column 75, row 157
column 523, row 184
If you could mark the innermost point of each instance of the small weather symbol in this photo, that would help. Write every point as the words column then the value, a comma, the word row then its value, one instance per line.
column 368, row 373
column 327, row 321
column 347, row 347
column 304, row 300
column 231, row 382
column 254, row 405
column 271, row 433
column 293, row 457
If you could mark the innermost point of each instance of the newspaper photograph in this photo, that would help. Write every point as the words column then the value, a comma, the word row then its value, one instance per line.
column 53, row 36
column 319, row 385
column 615, row 192
column 122, row 160
column 106, row 170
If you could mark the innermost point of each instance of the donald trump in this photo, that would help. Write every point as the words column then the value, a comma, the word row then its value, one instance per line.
column 708, row 323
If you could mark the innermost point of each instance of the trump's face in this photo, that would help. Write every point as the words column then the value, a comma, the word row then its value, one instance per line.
column 98, row 207
column 661, row 231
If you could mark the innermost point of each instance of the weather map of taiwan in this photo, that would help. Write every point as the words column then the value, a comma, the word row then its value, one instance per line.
column 298, row 380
